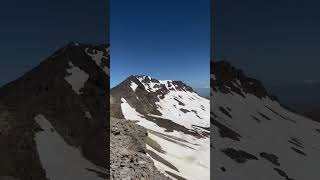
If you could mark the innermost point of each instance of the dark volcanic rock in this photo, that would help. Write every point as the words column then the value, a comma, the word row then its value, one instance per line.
column 282, row 173
column 270, row 157
column 225, row 131
column 239, row 155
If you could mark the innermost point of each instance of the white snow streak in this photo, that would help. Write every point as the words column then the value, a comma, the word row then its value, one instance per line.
column 60, row 160
column 97, row 56
column 133, row 86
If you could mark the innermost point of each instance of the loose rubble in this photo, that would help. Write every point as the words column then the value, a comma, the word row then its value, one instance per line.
column 128, row 157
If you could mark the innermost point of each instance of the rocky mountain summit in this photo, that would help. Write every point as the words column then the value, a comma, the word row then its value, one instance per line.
column 253, row 136
column 230, row 78
column 53, row 119
column 148, row 89
column 176, row 120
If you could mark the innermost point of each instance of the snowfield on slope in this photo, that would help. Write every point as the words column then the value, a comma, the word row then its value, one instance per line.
column 60, row 160
column 197, row 109
column 187, row 154
column 257, row 138
column 77, row 78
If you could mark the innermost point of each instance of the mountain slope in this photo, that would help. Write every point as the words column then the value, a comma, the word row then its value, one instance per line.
column 177, row 120
column 62, row 101
column 253, row 136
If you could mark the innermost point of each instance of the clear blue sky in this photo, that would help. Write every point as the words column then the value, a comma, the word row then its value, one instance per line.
column 167, row 39
column 276, row 41
column 31, row 30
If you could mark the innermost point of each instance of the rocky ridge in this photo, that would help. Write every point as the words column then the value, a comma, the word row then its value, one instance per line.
column 128, row 158
column 228, row 79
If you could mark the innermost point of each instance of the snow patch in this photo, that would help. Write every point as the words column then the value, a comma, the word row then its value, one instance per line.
column 198, row 109
column 60, row 160
column 87, row 114
column 76, row 78
column 133, row 86
column 98, row 56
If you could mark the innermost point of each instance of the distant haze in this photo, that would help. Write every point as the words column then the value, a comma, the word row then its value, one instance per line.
column 301, row 96
column 204, row 92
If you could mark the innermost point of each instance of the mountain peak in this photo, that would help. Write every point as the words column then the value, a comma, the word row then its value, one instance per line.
column 250, row 127
column 146, row 79
column 227, row 79
column 67, row 92
column 170, row 111
column 153, row 85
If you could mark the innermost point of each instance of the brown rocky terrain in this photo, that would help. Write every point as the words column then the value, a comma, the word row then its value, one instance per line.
column 128, row 159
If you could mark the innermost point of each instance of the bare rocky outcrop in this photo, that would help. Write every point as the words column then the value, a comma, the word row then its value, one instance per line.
column 128, row 157
column 128, row 153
